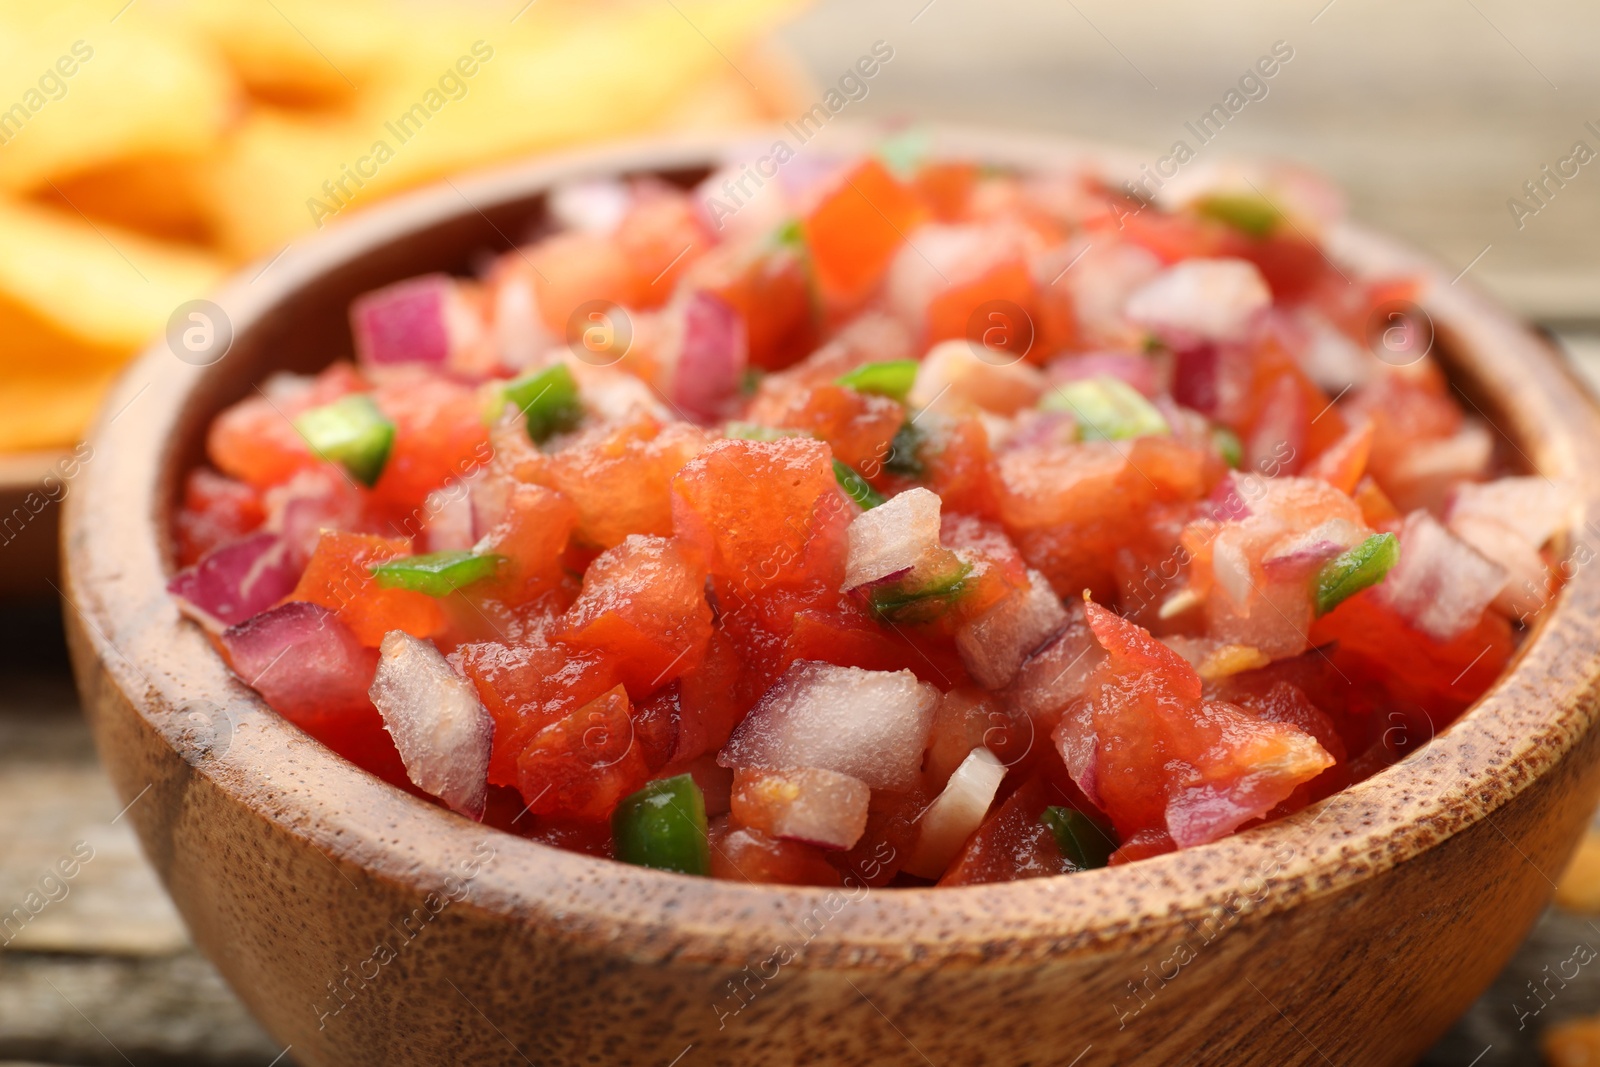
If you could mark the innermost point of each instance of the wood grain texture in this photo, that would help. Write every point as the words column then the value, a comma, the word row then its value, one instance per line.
column 1354, row 931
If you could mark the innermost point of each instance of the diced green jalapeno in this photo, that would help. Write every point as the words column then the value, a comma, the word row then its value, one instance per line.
column 855, row 487
column 1082, row 841
column 1245, row 212
column 890, row 377
column 789, row 235
column 1355, row 569
column 548, row 400
column 1229, row 447
column 663, row 826
column 352, row 432
column 1107, row 409
column 437, row 573
column 920, row 599
column 903, row 458
column 906, row 152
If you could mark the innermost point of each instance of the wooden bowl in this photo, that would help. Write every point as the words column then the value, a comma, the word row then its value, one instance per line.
column 364, row 926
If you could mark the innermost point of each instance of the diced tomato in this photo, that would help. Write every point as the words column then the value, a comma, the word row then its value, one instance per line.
column 656, row 720
column 1406, row 409
column 946, row 188
column 1345, row 461
column 858, row 426
column 580, row 766
column 969, row 718
column 620, row 475
column 339, row 577
column 1171, row 762
column 439, row 436
column 1376, row 647
column 771, row 289
column 740, row 853
column 763, row 514
column 1291, row 264
column 526, row 687
column 1377, row 510
column 643, row 605
column 573, row 268
column 959, row 465
column 216, row 509
column 710, row 700
column 855, row 228
column 1012, row 843
column 949, row 313
column 1070, row 510
column 886, row 845
column 661, row 235
column 532, row 534
column 1171, row 237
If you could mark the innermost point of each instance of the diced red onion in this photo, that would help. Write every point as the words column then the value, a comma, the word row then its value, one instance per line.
column 1058, row 673
column 1440, row 585
column 596, row 205
column 1533, row 507
column 1078, row 744
column 1231, row 569
column 313, row 500
column 408, row 322
column 711, row 356
column 891, row 538
column 953, row 372
column 1197, row 377
column 235, row 581
column 994, row 645
column 822, row 808
column 1137, row 370
column 956, row 813
column 1202, row 300
column 1509, row 520
column 1300, row 554
column 438, row 724
column 303, row 661
column 871, row 725
column 448, row 524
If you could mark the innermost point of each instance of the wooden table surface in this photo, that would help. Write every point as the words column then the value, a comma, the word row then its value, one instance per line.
column 1433, row 114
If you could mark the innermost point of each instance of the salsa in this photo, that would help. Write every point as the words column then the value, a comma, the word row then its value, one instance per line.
column 917, row 522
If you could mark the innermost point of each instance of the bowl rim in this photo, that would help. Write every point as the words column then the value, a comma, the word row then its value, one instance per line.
column 114, row 587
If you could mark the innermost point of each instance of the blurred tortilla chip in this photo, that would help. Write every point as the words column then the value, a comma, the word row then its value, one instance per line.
column 75, row 302
column 105, row 285
column 533, row 86
column 307, row 53
column 72, row 100
column 155, row 195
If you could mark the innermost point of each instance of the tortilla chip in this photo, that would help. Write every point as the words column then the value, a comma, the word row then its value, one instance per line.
column 72, row 100
column 534, row 86
column 110, row 288
column 154, row 195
